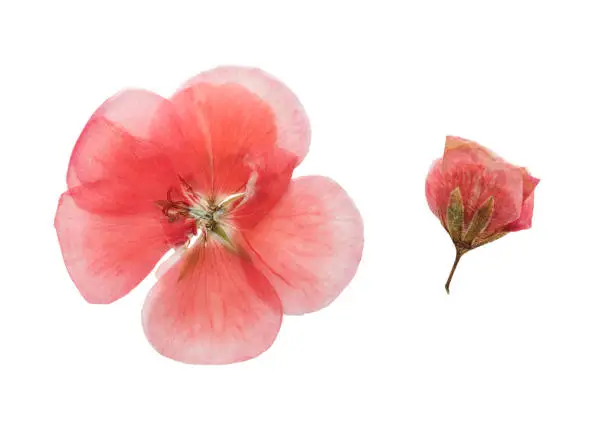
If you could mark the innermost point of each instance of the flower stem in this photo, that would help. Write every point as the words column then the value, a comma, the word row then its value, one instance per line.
column 452, row 272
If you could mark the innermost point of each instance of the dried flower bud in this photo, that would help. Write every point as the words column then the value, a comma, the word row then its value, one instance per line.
column 478, row 196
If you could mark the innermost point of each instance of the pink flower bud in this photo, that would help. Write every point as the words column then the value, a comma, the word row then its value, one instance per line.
column 478, row 196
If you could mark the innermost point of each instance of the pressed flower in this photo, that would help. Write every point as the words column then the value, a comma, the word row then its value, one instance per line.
column 208, row 173
column 478, row 196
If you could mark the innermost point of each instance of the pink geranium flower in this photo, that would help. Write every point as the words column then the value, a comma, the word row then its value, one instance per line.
column 207, row 172
column 478, row 196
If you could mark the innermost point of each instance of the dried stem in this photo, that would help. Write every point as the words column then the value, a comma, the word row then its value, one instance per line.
column 452, row 272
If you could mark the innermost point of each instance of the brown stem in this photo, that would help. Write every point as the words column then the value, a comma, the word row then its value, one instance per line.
column 452, row 272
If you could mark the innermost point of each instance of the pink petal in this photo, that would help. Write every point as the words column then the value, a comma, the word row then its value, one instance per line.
column 129, row 128
column 477, row 182
column 235, row 133
column 529, row 183
column 107, row 256
column 291, row 119
column 524, row 221
column 476, row 151
column 129, row 155
column 273, row 179
column 309, row 245
column 211, row 307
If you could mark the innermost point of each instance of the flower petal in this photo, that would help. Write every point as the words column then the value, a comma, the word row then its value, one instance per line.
column 470, row 148
column 272, row 179
column 127, row 127
column 230, row 130
column 107, row 256
column 309, row 245
column 211, row 307
column 235, row 132
column 128, row 155
column 524, row 221
column 529, row 183
column 291, row 119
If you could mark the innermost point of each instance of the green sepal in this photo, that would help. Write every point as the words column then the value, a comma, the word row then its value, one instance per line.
column 454, row 215
column 479, row 241
column 222, row 234
column 479, row 222
column 227, row 241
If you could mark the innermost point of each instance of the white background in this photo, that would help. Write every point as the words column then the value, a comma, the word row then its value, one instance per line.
column 518, row 353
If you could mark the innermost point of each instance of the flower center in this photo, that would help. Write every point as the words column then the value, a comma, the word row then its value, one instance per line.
column 209, row 215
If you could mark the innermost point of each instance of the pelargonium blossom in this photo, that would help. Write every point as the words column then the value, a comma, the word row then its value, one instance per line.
column 208, row 173
column 478, row 196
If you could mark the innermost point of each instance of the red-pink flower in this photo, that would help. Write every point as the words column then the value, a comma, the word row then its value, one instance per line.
column 478, row 196
column 208, row 173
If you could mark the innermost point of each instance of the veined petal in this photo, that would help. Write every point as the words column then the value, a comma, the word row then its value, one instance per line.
column 236, row 135
column 473, row 150
column 529, row 183
column 291, row 120
column 129, row 154
column 309, row 245
column 269, row 184
column 107, row 256
column 131, row 125
column 211, row 307
column 524, row 221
